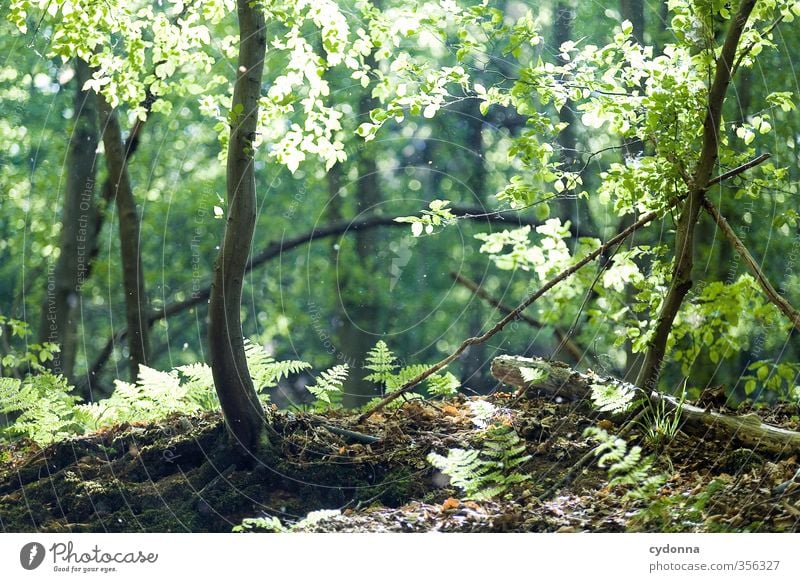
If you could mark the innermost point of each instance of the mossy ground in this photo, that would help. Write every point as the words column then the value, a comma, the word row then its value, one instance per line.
column 178, row 476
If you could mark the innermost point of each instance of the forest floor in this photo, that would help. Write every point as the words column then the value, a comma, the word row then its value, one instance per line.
column 170, row 476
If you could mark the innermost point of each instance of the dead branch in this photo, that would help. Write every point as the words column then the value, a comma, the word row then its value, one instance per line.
column 563, row 381
column 776, row 298
column 574, row 351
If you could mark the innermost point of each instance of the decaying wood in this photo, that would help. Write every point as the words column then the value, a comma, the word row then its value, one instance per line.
column 562, row 381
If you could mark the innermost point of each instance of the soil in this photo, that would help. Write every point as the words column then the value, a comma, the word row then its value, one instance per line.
column 178, row 476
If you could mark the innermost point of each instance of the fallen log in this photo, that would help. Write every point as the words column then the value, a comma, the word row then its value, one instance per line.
column 561, row 381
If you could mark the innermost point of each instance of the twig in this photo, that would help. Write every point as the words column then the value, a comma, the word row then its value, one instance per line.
column 576, row 353
column 738, row 170
column 776, row 298
column 351, row 435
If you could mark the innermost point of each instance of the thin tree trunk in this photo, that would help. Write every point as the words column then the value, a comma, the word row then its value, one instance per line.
column 632, row 10
column 474, row 366
column 136, row 304
column 60, row 315
column 360, row 305
column 241, row 408
column 567, row 203
column 684, row 237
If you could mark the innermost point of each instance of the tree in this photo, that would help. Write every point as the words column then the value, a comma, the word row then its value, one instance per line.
column 136, row 304
column 241, row 407
column 61, row 309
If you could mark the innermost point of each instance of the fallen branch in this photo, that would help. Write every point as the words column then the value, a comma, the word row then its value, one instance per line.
column 776, row 298
column 573, row 350
column 563, row 381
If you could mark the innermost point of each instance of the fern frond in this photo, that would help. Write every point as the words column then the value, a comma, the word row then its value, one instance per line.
column 328, row 388
column 532, row 375
column 626, row 467
column 490, row 471
column 265, row 371
column 200, row 385
column 443, row 385
column 612, row 397
column 47, row 410
column 381, row 362
column 404, row 375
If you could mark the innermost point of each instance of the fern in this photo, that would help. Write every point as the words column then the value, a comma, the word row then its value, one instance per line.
column 532, row 375
column 488, row 472
column 404, row 375
column 265, row 371
column 626, row 467
column 44, row 408
column 199, row 385
column 382, row 362
column 612, row 397
column 155, row 394
column 328, row 388
column 443, row 385
column 272, row 524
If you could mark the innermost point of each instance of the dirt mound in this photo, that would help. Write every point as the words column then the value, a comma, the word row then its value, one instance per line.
column 176, row 476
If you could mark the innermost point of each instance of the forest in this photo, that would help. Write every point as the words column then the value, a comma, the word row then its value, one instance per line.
column 399, row 266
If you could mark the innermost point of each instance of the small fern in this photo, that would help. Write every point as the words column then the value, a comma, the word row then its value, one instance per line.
column 199, row 383
column 612, row 397
column 488, row 472
column 443, row 385
column 385, row 372
column 44, row 408
column 265, row 371
column 328, row 388
column 626, row 467
column 155, row 394
column 532, row 375
column 271, row 524
column 381, row 362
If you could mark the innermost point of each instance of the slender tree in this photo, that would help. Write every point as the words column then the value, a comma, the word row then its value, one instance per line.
column 136, row 304
column 61, row 313
column 687, row 220
column 244, row 415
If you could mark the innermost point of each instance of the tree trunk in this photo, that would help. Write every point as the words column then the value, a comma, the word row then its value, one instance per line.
column 359, row 301
column 60, row 315
column 474, row 362
column 566, row 203
column 632, row 10
column 684, row 237
column 136, row 304
column 241, row 408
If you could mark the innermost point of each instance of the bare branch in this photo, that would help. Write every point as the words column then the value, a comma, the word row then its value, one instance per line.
column 776, row 298
column 574, row 351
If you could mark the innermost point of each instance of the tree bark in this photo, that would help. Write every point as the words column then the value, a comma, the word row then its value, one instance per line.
column 360, row 302
column 684, row 237
column 136, row 304
column 566, row 203
column 61, row 313
column 474, row 365
column 241, row 408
